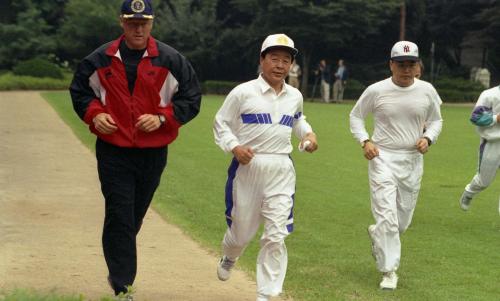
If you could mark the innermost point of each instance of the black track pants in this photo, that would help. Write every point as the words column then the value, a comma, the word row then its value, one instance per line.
column 129, row 178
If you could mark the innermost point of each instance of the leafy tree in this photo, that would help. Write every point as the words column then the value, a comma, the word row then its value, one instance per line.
column 318, row 27
column 87, row 25
column 447, row 23
column 191, row 27
column 489, row 34
column 7, row 14
column 52, row 11
column 27, row 37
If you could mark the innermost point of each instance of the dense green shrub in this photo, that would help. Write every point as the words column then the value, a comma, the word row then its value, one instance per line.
column 450, row 89
column 9, row 81
column 38, row 67
column 218, row 87
column 353, row 89
column 458, row 89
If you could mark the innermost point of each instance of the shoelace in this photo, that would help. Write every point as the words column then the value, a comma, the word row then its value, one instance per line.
column 227, row 264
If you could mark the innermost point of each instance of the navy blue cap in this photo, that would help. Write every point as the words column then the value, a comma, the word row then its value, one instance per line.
column 137, row 9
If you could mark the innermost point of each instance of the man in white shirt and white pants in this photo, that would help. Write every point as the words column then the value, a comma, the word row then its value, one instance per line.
column 255, row 124
column 401, row 106
column 486, row 116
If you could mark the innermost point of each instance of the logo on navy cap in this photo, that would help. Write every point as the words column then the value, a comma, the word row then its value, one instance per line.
column 137, row 6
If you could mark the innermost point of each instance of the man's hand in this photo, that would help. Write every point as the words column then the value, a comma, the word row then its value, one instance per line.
column 104, row 123
column 370, row 150
column 313, row 146
column 148, row 123
column 422, row 145
column 243, row 154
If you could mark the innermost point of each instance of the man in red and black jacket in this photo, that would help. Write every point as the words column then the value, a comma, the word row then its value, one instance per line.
column 134, row 93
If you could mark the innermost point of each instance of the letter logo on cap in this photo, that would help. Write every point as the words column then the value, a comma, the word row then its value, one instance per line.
column 406, row 48
column 137, row 6
column 282, row 40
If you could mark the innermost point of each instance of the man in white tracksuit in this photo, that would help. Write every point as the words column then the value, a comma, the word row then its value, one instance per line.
column 401, row 106
column 255, row 124
column 486, row 116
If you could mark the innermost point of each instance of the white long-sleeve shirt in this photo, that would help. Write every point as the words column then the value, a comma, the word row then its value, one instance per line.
column 254, row 115
column 485, row 114
column 400, row 114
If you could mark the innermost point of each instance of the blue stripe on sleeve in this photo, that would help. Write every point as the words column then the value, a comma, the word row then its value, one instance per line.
column 268, row 117
column 249, row 118
column 287, row 120
column 259, row 118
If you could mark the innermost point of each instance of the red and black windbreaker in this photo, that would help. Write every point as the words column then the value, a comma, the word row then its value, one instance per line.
column 166, row 84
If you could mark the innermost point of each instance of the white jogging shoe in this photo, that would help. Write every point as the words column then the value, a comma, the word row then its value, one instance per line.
column 465, row 201
column 389, row 281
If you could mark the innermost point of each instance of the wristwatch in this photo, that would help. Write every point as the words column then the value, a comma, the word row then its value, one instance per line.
column 162, row 118
column 364, row 143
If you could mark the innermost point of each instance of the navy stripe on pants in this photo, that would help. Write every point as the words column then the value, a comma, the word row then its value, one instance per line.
column 231, row 174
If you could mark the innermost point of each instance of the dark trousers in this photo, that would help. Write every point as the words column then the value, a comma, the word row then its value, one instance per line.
column 129, row 178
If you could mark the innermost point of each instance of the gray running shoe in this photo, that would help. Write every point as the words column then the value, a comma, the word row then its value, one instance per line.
column 224, row 268
column 465, row 201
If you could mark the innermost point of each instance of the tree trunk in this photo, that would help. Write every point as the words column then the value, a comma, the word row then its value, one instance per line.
column 402, row 22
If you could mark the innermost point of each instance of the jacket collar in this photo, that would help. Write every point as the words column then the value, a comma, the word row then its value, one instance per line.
column 151, row 48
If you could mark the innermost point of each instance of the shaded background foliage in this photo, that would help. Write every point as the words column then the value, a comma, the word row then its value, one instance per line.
column 222, row 37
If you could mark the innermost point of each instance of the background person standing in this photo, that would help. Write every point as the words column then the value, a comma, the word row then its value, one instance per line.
column 324, row 72
column 340, row 82
column 401, row 105
column 255, row 124
column 134, row 93
column 294, row 74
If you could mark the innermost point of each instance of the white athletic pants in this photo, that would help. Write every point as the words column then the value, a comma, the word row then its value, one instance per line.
column 261, row 191
column 489, row 162
column 394, row 185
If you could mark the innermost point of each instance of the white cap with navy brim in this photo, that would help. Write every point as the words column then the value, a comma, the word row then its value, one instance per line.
column 404, row 51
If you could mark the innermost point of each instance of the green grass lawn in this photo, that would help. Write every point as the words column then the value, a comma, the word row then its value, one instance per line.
column 447, row 254
column 26, row 295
